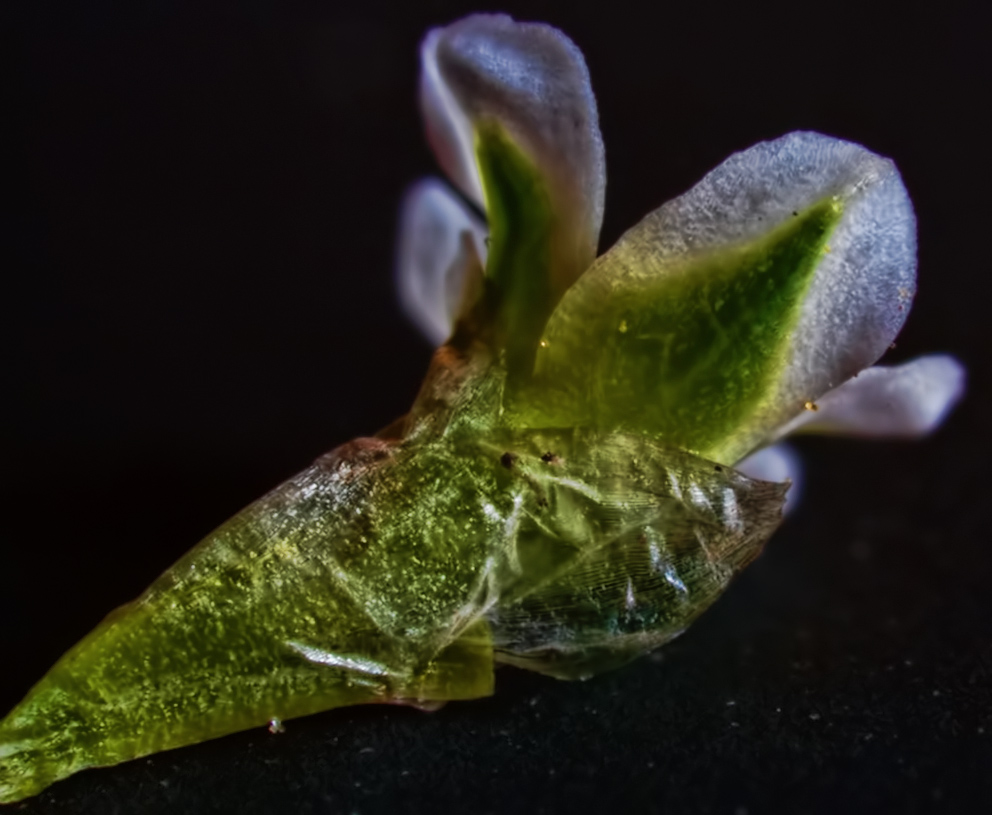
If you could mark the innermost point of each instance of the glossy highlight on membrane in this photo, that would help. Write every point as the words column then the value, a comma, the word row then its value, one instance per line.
column 595, row 451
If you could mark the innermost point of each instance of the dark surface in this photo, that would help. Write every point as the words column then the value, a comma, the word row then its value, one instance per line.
column 201, row 302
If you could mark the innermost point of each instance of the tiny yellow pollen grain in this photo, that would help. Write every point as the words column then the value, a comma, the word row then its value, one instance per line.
column 811, row 406
column 623, row 327
column 826, row 249
column 544, row 343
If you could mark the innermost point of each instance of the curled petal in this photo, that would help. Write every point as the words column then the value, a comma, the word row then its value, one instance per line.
column 531, row 81
column 448, row 128
column 900, row 402
column 441, row 245
column 776, row 463
column 783, row 273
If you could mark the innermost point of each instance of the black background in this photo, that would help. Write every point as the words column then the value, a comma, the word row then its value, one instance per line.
column 201, row 222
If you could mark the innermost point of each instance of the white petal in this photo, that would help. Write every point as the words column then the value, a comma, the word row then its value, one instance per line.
column 901, row 402
column 448, row 128
column 533, row 80
column 856, row 299
column 861, row 290
column 776, row 463
column 440, row 240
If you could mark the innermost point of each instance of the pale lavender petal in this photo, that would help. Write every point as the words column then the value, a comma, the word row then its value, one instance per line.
column 533, row 81
column 776, row 463
column 904, row 401
column 862, row 287
column 440, row 241
column 448, row 128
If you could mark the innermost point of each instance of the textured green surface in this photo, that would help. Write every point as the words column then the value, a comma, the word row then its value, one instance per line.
column 685, row 356
column 377, row 575
column 316, row 596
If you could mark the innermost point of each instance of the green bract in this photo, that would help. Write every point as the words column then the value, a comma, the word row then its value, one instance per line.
column 562, row 494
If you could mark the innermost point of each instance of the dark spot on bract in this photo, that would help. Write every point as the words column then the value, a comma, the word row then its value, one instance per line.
column 507, row 460
column 718, row 468
column 549, row 457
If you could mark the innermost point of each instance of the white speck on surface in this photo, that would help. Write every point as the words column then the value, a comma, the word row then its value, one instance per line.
column 731, row 511
column 345, row 661
column 657, row 561
column 674, row 580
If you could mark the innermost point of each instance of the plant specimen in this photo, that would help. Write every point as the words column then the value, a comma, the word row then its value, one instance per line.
column 592, row 456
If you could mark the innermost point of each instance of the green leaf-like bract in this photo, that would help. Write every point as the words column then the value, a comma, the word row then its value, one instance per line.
column 389, row 572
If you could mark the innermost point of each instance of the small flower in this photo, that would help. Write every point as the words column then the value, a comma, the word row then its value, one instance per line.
column 749, row 308
column 561, row 496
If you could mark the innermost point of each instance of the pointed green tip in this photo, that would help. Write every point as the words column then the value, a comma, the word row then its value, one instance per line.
column 34, row 755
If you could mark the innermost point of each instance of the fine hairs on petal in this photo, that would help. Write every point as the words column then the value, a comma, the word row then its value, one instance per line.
column 856, row 300
column 863, row 287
